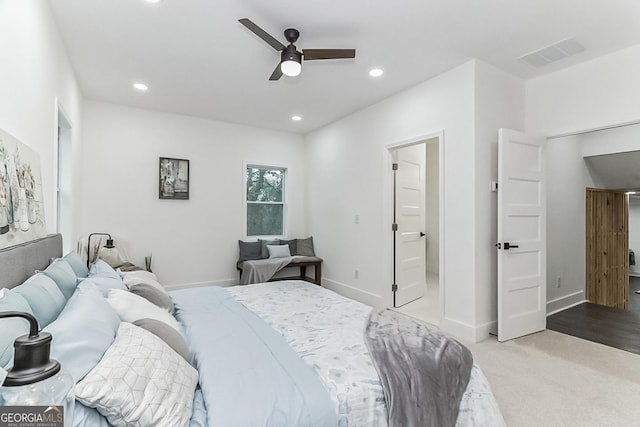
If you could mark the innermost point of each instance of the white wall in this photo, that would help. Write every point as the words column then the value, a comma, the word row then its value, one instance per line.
column 499, row 103
column 634, row 233
column 594, row 94
column 192, row 241
column 432, row 207
column 35, row 71
column 348, row 173
column 567, row 178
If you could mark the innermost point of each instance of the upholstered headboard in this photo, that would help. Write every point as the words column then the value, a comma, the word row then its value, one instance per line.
column 19, row 262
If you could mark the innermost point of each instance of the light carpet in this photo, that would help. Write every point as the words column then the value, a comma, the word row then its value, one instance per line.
column 552, row 379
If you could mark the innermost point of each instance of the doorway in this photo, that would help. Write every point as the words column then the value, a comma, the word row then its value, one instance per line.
column 417, row 233
column 63, row 168
column 603, row 159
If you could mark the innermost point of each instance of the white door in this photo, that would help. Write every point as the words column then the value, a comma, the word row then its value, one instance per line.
column 410, row 264
column 521, row 236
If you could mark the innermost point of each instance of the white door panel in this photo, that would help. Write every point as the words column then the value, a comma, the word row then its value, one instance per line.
column 521, row 222
column 410, row 217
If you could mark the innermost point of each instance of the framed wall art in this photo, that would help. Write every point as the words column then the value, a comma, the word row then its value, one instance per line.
column 21, row 201
column 174, row 179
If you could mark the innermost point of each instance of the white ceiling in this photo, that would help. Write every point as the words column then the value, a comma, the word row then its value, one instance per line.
column 199, row 60
column 618, row 171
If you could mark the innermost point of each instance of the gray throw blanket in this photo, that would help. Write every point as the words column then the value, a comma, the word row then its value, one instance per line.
column 423, row 372
column 262, row 270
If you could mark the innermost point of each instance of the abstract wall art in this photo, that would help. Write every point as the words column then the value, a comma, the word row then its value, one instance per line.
column 21, row 201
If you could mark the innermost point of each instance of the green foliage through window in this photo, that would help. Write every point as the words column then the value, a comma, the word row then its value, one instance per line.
column 265, row 201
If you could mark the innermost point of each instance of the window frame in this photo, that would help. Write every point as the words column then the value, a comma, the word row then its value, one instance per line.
column 245, row 204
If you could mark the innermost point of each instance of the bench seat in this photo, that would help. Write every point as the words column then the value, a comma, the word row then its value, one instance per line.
column 302, row 263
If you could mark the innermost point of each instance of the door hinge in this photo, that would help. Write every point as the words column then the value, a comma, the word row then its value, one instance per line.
column 394, row 287
column 394, row 166
column 394, row 227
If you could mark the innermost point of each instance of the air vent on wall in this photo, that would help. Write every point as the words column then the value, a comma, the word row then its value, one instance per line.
column 553, row 53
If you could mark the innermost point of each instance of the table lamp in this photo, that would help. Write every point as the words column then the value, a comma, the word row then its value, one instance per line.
column 36, row 380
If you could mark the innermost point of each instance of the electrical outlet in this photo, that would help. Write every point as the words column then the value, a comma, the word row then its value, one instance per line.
column 356, row 274
column 356, row 219
column 558, row 281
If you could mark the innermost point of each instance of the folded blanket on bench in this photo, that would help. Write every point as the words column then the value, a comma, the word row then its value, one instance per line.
column 262, row 270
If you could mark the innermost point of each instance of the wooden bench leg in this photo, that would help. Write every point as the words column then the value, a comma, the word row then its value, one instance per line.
column 318, row 274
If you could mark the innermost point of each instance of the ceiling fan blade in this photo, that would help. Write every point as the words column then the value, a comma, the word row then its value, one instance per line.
column 277, row 73
column 311, row 54
column 262, row 34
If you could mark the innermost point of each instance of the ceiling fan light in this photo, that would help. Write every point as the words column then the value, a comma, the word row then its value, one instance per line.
column 291, row 61
column 291, row 68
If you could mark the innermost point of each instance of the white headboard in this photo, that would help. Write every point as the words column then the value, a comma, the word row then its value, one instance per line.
column 17, row 263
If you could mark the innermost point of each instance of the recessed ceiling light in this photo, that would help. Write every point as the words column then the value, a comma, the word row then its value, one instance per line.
column 376, row 72
column 141, row 87
column 296, row 118
column 153, row 1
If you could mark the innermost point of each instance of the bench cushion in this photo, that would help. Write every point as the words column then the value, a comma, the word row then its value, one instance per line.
column 300, row 260
column 294, row 261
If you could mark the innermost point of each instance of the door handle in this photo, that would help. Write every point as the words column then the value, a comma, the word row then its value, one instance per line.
column 508, row 246
column 422, row 234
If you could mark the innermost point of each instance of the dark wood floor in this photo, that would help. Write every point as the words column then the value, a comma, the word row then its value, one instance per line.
column 605, row 325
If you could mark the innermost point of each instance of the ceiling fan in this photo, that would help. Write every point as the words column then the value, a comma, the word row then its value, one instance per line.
column 290, row 58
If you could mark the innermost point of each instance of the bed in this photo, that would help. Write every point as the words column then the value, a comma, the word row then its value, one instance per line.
column 285, row 353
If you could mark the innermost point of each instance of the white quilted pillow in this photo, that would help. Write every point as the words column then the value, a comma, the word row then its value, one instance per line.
column 140, row 381
column 131, row 307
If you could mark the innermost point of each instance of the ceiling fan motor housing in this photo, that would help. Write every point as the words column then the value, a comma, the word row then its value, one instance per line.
column 291, row 54
column 291, row 34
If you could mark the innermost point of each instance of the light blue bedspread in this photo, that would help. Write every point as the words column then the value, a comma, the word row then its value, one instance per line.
column 248, row 374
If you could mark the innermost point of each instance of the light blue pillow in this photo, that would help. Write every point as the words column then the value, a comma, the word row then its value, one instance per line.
column 44, row 297
column 10, row 329
column 105, row 278
column 79, row 267
column 64, row 276
column 102, row 269
column 83, row 331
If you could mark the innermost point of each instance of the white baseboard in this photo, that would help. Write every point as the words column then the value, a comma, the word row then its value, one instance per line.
column 354, row 293
column 567, row 301
column 634, row 273
column 466, row 332
column 223, row 283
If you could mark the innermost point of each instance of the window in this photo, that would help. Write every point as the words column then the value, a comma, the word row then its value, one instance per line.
column 265, row 200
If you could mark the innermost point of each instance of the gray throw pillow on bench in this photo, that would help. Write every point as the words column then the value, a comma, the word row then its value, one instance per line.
column 293, row 245
column 249, row 250
column 305, row 247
